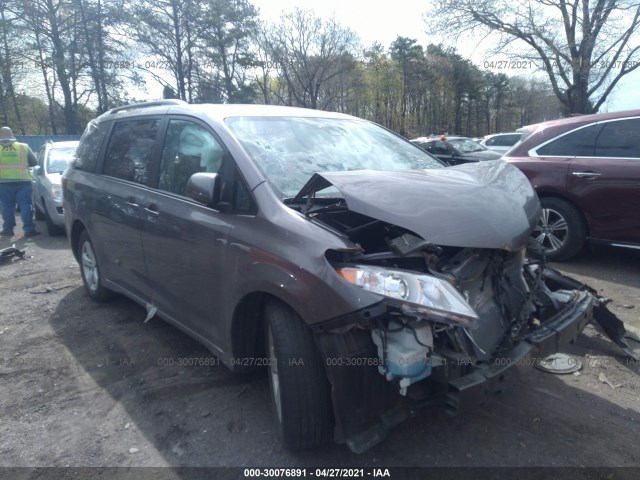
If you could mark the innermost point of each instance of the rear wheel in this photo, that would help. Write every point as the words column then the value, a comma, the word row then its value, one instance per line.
column 561, row 230
column 299, row 386
column 90, row 270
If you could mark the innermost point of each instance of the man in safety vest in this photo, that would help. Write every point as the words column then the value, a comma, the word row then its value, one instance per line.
column 15, row 183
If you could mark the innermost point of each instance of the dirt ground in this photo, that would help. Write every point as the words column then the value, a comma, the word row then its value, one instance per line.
column 87, row 384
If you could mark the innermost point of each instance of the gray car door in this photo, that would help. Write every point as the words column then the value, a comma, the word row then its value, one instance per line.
column 116, row 224
column 184, row 241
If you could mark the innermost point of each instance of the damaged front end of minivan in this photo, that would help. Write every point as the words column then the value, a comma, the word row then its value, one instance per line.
column 460, row 303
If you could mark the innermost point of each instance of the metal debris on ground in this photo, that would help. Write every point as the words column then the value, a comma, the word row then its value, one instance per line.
column 6, row 254
column 604, row 379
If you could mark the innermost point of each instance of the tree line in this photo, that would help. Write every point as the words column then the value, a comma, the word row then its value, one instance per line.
column 65, row 61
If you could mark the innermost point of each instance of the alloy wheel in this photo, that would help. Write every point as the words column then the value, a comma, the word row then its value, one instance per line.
column 89, row 266
column 552, row 230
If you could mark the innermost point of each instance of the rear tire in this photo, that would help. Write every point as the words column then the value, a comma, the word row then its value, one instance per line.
column 90, row 270
column 298, row 383
column 561, row 229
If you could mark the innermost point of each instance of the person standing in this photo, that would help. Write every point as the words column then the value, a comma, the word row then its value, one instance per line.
column 15, row 183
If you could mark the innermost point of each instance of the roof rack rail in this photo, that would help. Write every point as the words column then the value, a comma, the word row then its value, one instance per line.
column 155, row 103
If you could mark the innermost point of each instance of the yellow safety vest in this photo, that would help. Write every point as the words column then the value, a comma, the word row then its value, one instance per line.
column 14, row 162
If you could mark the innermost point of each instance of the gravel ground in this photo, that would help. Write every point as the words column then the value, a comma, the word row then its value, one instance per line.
column 91, row 385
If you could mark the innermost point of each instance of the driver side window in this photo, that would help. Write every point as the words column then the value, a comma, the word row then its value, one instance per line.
column 441, row 148
column 188, row 149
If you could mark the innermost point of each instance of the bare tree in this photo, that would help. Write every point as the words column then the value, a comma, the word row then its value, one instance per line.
column 10, row 63
column 584, row 46
column 56, row 32
column 309, row 52
column 163, row 29
column 106, row 62
column 227, row 27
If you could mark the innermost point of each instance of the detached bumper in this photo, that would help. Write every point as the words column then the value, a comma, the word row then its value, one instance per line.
column 484, row 383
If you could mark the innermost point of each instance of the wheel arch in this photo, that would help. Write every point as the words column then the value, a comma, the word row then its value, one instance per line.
column 247, row 326
column 74, row 236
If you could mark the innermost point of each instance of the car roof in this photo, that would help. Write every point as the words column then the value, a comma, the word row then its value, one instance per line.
column 216, row 112
column 67, row 144
column 437, row 138
column 538, row 133
column 577, row 120
column 491, row 135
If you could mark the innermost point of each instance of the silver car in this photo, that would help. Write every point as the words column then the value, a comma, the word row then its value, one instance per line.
column 53, row 160
column 501, row 142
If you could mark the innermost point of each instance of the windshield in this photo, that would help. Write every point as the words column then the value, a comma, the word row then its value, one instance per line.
column 289, row 150
column 59, row 159
column 466, row 145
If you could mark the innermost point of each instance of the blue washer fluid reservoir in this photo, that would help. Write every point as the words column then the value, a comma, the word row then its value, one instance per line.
column 405, row 350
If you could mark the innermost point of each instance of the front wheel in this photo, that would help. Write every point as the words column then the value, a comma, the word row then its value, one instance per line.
column 37, row 212
column 561, row 230
column 52, row 228
column 298, row 383
column 90, row 270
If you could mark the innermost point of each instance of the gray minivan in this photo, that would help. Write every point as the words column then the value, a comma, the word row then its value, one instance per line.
column 366, row 277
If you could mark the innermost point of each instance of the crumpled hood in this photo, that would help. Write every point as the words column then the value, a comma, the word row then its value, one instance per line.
column 481, row 205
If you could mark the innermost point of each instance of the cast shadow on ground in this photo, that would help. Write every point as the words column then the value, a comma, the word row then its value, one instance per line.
column 195, row 413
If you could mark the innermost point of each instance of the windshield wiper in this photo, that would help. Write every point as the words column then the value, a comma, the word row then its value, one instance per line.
column 313, row 205
column 334, row 207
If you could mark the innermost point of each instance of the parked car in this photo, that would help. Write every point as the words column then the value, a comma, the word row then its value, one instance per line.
column 586, row 171
column 53, row 159
column 501, row 142
column 455, row 150
column 365, row 276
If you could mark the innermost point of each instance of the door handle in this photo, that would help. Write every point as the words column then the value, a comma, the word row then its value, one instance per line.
column 589, row 175
column 152, row 210
column 132, row 202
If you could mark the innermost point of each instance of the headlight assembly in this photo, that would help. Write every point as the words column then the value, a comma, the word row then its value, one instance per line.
column 56, row 192
column 416, row 295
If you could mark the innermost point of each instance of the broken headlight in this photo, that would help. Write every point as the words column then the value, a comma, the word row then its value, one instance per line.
column 414, row 294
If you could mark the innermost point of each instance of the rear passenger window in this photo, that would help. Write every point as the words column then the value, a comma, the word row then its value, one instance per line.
column 129, row 152
column 86, row 157
column 620, row 139
column 188, row 149
column 579, row 143
column 506, row 140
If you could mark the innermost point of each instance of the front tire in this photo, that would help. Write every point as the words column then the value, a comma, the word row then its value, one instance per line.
column 90, row 270
column 298, row 383
column 38, row 214
column 561, row 229
column 52, row 229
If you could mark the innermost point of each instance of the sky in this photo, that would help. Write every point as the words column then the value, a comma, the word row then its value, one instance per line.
column 383, row 21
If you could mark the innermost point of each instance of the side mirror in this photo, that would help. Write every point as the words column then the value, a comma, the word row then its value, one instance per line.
column 204, row 187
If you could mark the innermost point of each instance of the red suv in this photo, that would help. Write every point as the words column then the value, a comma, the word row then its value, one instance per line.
column 586, row 171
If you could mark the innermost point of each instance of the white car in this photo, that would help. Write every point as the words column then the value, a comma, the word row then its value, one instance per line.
column 53, row 160
column 501, row 142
